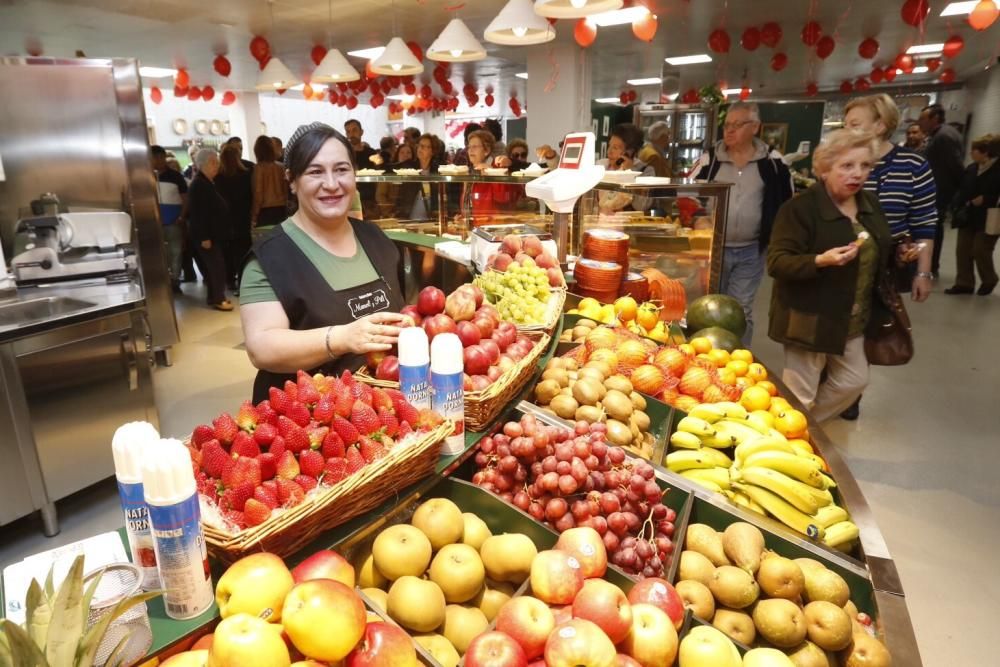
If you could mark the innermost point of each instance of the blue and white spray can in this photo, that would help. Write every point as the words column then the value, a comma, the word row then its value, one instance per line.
column 128, row 446
column 447, row 394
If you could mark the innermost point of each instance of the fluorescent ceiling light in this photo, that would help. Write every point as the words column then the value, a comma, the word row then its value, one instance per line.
column 522, row 75
column 651, row 81
column 925, row 48
column 959, row 8
column 619, row 17
column 607, row 100
column 367, row 54
column 689, row 60
column 301, row 86
column 156, row 72
column 402, row 98
column 923, row 69
column 735, row 91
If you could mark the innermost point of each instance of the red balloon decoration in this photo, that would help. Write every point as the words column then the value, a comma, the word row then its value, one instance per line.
column 207, row 93
column 812, row 89
column 915, row 11
column 632, row 96
column 377, row 101
column 623, row 98
column 862, row 84
column 890, row 73
column 352, row 102
column 846, row 87
column 447, row 88
column 156, row 95
column 877, row 75
column 307, row 91
column 259, row 48
column 473, row 99
column 180, row 91
column 264, row 61
column 222, row 65
column 779, row 61
column 868, row 48
column 933, row 64
column 983, row 15
column 425, row 90
column 719, row 41
column 194, row 93
column 515, row 107
column 418, row 52
column 750, row 39
column 410, row 89
column 770, row 34
column 744, row 94
column 584, row 32
column 825, row 46
column 904, row 62
column 690, row 97
column 811, row 33
column 489, row 99
column 468, row 89
column 182, row 79
column 953, row 46
column 645, row 28
column 948, row 75
column 228, row 98
column 318, row 53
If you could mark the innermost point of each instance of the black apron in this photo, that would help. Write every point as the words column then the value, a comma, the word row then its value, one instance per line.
column 310, row 302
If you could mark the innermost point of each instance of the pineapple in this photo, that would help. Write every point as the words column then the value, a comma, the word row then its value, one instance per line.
column 55, row 632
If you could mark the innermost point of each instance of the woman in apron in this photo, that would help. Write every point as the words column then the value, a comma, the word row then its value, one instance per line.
column 321, row 290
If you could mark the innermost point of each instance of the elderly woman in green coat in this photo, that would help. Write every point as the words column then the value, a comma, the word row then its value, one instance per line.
column 828, row 248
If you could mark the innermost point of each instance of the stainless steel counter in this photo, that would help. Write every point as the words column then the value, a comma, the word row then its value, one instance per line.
column 34, row 310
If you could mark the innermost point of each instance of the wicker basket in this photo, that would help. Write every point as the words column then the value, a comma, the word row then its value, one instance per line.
column 482, row 407
column 286, row 534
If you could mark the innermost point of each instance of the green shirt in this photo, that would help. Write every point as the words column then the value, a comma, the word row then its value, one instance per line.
column 339, row 272
column 867, row 265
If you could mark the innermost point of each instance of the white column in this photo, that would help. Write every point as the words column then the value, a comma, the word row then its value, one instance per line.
column 245, row 121
column 565, row 107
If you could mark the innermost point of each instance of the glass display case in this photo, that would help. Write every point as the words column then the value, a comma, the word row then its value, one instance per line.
column 692, row 129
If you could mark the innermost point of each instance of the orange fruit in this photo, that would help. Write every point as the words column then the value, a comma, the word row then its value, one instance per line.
column 647, row 316
column 685, row 403
column 767, row 384
column 778, row 405
column 742, row 355
column 791, row 424
column 701, row 344
column 727, row 377
column 713, row 394
column 755, row 398
column 720, row 357
column 764, row 416
column 757, row 372
column 672, row 359
column 625, row 308
column 687, row 349
column 738, row 367
column 743, row 383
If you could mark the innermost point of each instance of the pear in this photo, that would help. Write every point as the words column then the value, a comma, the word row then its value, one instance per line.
column 828, row 626
column 736, row 624
column 476, row 531
column 440, row 648
column 706, row 541
column 697, row 598
column 462, row 625
column 781, row 577
column 733, row 587
column 695, row 566
column 743, row 544
column 809, row 655
column 780, row 622
column 440, row 520
column 416, row 604
column 824, row 584
column 865, row 651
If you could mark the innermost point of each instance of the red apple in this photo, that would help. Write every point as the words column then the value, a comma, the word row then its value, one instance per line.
column 412, row 313
column 204, row 642
column 468, row 333
column 546, row 261
column 555, row 276
column 500, row 340
column 537, row 663
column 501, row 261
column 532, row 246
column 659, row 593
column 438, row 324
column 579, row 642
column 562, row 613
column 324, row 603
column 587, row 546
column 476, row 291
column 489, row 311
column 505, row 363
column 476, row 360
column 374, row 358
column 604, row 604
column 430, row 301
column 461, row 304
column 492, row 350
column 480, row 382
column 484, row 324
column 325, row 564
column 495, row 649
column 383, row 645
column 493, row 373
column 653, row 639
column 555, row 577
column 466, row 382
column 509, row 331
column 529, row 621
column 388, row 368
column 622, row 660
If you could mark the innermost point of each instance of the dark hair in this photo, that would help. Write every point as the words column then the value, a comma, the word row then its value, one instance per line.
column 935, row 111
column 387, row 143
column 469, row 129
column 232, row 140
column 303, row 146
column 494, row 127
column 352, row 121
column 230, row 163
column 263, row 149
column 157, row 151
column 988, row 144
column 630, row 135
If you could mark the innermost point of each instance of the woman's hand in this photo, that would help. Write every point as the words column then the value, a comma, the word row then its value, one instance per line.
column 377, row 332
column 921, row 288
column 837, row 256
column 908, row 252
column 501, row 161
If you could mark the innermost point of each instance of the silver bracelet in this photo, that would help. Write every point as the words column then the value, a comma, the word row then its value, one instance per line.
column 329, row 329
column 924, row 274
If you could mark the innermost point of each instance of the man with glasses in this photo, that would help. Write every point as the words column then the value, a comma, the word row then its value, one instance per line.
column 761, row 184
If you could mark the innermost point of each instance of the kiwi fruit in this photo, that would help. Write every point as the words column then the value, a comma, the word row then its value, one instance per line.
column 598, row 367
column 638, row 401
column 546, row 391
column 587, row 391
column 559, row 375
column 617, row 405
column 619, row 382
column 589, row 413
column 564, row 406
column 641, row 420
column 618, row 433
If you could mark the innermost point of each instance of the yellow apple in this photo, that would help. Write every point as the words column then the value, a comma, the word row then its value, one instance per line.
column 704, row 646
column 255, row 585
column 243, row 640
column 324, row 619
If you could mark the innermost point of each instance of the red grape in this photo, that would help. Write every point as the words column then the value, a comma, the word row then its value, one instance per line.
column 550, row 481
column 637, row 484
column 600, row 524
column 564, row 452
column 512, row 429
column 648, row 572
column 549, row 464
column 633, row 521
column 564, row 467
column 616, row 455
column 599, row 427
column 610, row 503
column 598, row 479
column 644, row 549
column 581, row 428
column 501, row 439
column 664, row 545
column 579, row 471
column 581, row 450
column 610, row 542
column 489, row 487
column 665, row 528
column 504, row 482
column 536, row 469
column 520, row 475
column 627, row 557
column 529, row 425
column 487, row 445
column 617, row 523
column 581, row 510
column 592, row 462
column 646, row 471
column 567, row 485
column 477, row 478
column 599, row 449
column 671, row 514
column 541, row 439
column 508, row 464
column 536, row 511
column 503, row 450
column 565, row 523
column 555, row 509
column 659, row 512
column 522, row 500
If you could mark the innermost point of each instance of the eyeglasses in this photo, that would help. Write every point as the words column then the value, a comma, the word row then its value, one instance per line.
column 737, row 126
column 519, row 155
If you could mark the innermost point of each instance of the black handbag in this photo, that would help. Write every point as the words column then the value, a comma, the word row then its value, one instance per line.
column 959, row 216
column 891, row 344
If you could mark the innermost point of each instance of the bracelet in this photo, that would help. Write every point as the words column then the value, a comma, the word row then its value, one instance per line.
column 329, row 329
column 924, row 274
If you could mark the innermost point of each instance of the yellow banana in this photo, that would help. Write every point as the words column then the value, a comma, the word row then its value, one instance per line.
column 794, row 466
column 828, row 482
column 688, row 459
column 829, row 515
column 758, row 424
column 801, row 447
column 815, row 458
column 685, row 440
column 840, row 534
column 732, row 410
column 795, row 492
column 782, row 510
column 730, row 434
column 718, row 458
column 699, row 427
column 705, row 483
column 717, row 476
column 747, row 449
column 710, row 412
column 741, row 499
column 774, row 433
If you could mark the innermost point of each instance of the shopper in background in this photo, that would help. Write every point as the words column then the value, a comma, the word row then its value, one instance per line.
column 825, row 274
column 916, row 140
column 493, row 126
column 236, row 141
column 234, row 183
column 411, row 135
column 362, row 151
column 405, row 157
column 979, row 191
column 462, row 154
column 172, row 190
column 762, row 183
column 210, row 227
column 624, row 145
column 386, row 152
column 517, row 156
column 279, row 150
column 270, row 189
column 480, row 146
column 944, row 152
column 191, row 169
column 654, row 152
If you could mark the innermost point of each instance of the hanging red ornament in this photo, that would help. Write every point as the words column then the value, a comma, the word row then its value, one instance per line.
column 410, row 89
column 425, row 90
column 352, row 102
column 877, row 75
column 744, row 94
column 983, row 14
column 408, row 78
column 318, row 53
column 690, row 97
column 377, row 101
column 156, row 95
column 584, row 32
column 222, row 65
column 623, row 98
column 770, row 34
column 194, row 93
column 440, row 75
column 645, row 28
column 947, row 75
column 386, row 86
column 182, row 78
column 489, row 99
column 515, row 107
column 394, row 81
column 811, row 32
column 779, row 61
column 915, row 11
column 259, row 48
column 825, row 46
column 418, row 52
column 750, row 39
column 890, row 73
column 953, row 46
column 374, row 87
column 632, row 96
column 862, row 84
column 342, row 100
column 207, row 93
column 719, row 41
column 468, row 89
column 868, row 48
column 228, row 98
column 281, row 91
column 307, row 91
column 447, row 88
column 933, row 64
column 180, row 91
column 262, row 63
column 846, row 87
column 904, row 62
column 811, row 89
column 342, row 86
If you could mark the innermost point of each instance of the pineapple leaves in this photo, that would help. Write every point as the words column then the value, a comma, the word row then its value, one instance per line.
column 6, row 658
column 67, row 623
column 92, row 639
column 88, row 596
column 25, row 653
column 39, row 614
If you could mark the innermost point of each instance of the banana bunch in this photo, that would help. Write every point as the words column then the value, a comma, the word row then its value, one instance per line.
column 767, row 473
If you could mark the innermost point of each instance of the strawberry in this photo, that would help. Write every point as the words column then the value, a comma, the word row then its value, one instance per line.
column 271, row 485
column 225, row 428
column 244, row 445
column 202, row 434
column 279, row 400
column 310, row 463
column 334, row 471
column 299, row 413
column 343, row 402
column 292, row 390
column 244, row 470
column 296, row 438
column 361, row 392
column 380, row 400
column 287, row 467
column 364, row 418
column 394, row 394
column 307, row 394
column 388, row 422
column 307, row 482
column 227, row 465
column 236, row 497
column 235, row 518
column 323, row 412
column 256, row 512
column 345, row 429
column 405, row 412
column 371, row 450
column 290, row 494
column 207, row 487
column 264, row 433
column 355, row 461
column 266, row 496
column 268, row 465
column 247, row 417
column 266, row 414
column 333, row 446
column 277, row 447
column 404, row 430
column 213, row 456
column 347, row 378
column 316, row 436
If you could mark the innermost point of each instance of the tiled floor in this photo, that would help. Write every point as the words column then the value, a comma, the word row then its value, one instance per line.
column 925, row 452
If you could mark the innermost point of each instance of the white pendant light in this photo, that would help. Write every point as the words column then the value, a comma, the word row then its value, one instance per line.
column 456, row 44
column 574, row 9
column 397, row 59
column 518, row 24
column 334, row 68
column 275, row 76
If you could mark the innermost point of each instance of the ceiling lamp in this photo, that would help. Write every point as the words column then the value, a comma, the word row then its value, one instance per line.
column 456, row 44
column 275, row 76
column 574, row 9
column 397, row 59
column 517, row 24
column 334, row 68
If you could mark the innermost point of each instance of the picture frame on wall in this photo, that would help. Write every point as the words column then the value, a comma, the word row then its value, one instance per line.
column 606, row 127
column 775, row 135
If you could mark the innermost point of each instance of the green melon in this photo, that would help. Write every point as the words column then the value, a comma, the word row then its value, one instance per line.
column 716, row 310
column 721, row 338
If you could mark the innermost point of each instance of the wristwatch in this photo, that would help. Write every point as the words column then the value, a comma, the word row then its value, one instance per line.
column 924, row 274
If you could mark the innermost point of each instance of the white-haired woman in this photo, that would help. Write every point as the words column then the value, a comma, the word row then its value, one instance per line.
column 211, row 228
column 828, row 248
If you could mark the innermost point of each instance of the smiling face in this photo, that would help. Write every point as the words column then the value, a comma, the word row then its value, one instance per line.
column 326, row 187
column 848, row 173
column 862, row 119
column 405, row 153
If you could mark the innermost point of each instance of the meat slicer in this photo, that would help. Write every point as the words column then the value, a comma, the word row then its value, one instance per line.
column 69, row 246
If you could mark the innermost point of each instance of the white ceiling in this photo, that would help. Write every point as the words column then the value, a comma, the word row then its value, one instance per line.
column 190, row 32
